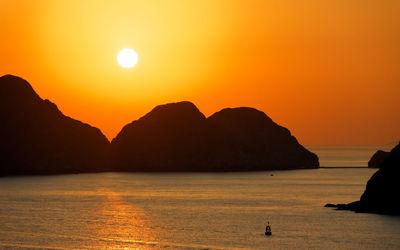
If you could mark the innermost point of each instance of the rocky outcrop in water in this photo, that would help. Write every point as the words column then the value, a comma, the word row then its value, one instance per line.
column 38, row 139
column 178, row 137
column 377, row 159
column 383, row 189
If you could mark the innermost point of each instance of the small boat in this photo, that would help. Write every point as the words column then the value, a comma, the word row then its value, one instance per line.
column 268, row 230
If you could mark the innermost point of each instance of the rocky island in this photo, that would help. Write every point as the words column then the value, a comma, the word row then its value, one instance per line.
column 383, row 188
column 178, row 137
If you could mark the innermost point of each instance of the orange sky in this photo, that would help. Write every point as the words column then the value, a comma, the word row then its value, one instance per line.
column 327, row 70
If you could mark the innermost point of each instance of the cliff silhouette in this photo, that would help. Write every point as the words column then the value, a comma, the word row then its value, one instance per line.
column 178, row 137
column 38, row 139
column 383, row 189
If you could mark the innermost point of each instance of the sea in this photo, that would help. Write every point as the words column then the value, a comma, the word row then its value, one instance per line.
column 197, row 210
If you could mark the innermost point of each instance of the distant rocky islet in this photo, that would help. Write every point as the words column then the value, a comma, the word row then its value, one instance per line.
column 377, row 159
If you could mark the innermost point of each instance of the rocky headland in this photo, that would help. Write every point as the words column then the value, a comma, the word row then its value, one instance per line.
column 38, row 139
column 383, row 189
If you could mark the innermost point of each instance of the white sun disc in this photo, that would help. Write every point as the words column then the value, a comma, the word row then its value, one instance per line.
column 127, row 58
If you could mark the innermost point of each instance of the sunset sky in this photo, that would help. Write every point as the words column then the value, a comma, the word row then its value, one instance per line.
column 327, row 70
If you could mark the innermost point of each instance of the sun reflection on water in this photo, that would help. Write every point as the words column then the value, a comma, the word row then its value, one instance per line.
column 122, row 225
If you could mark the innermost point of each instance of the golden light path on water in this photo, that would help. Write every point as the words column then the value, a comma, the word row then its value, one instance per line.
column 122, row 225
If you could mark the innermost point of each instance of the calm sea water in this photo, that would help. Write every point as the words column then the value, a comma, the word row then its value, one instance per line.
column 191, row 211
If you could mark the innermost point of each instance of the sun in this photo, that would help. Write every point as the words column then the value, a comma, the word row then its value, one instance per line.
column 127, row 58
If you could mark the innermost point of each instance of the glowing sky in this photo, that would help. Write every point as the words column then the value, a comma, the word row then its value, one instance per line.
column 327, row 70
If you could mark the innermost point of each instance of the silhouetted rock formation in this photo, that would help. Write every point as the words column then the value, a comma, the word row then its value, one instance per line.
column 167, row 139
column 251, row 140
column 377, row 159
column 383, row 189
column 38, row 139
column 178, row 137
